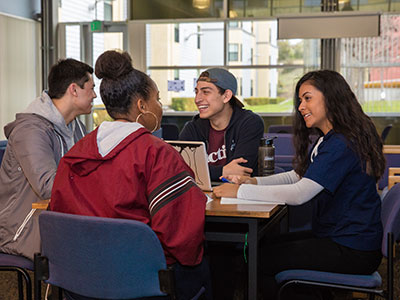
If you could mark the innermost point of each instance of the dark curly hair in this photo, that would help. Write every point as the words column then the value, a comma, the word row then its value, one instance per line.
column 346, row 116
column 122, row 85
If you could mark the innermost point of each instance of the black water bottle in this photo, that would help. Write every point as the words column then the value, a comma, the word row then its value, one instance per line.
column 266, row 157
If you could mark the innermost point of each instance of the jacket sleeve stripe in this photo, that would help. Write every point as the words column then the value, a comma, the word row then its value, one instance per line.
column 171, row 197
column 169, row 190
column 170, row 181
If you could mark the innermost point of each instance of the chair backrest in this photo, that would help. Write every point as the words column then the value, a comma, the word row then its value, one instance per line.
column 391, row 216
column 283, row 143
column 392, row 160
column 3, row 145
column 170, row 132
column 280, row 129
column 385, row 132
column 101, row 257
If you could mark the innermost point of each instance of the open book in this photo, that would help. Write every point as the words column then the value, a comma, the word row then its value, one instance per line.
column 225, row 200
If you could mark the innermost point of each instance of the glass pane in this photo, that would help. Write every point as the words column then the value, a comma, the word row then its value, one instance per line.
column 89, row 10
column 256, row 43
column 263, row 8
column 172, row 9
column 178, row 44
column 298, row 51
column 372, row 67
column 294, row 6
column 182, row 100
column 367, row 5
column 103, row 41
column 73, row 41
column 261, row 90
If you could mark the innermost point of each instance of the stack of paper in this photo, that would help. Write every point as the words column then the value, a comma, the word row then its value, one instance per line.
column 225, row 200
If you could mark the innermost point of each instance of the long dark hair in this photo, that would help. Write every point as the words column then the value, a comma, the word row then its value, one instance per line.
column 346, row 116
column 122, row 85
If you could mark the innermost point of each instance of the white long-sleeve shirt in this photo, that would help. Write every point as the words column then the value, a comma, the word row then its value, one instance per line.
column 281, row 188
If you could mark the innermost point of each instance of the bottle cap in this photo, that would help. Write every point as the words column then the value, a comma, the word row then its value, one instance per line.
column 270, row 140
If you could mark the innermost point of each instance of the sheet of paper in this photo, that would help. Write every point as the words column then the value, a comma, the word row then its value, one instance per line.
column 225, row 200
column 209, row 199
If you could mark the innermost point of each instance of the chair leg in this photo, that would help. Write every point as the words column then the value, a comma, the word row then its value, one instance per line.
column 371, row 296
column 37, row 288
column 281, row 288
column 22, row 274
column 20, row 287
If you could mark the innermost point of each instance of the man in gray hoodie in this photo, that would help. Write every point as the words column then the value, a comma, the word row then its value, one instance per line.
column 37, row 140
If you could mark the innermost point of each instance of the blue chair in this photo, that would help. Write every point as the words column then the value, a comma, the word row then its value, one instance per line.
column 280, row 129
column 101, row 257
column 20, row 265
column 3, row 145
column 284, row 149
column 362, row 283
column 392, row 160
column 385, row 132
column 170, row 132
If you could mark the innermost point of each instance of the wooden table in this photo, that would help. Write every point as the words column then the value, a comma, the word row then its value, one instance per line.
column 256, row 218
column 391, row 149
column 42, row 204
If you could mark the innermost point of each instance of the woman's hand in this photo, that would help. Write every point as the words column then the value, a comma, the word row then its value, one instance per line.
column 226, row 190
column 239, row 179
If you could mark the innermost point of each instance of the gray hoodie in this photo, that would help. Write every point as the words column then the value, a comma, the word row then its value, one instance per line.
column 37, row 140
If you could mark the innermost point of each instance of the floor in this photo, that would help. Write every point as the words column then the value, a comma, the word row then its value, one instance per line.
column 8, row 282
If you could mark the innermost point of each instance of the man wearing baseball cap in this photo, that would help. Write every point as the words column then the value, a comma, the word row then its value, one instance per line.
column 231, row 133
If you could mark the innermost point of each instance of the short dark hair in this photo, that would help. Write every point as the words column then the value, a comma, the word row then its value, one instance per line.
column 221, row 91
column 65, row 72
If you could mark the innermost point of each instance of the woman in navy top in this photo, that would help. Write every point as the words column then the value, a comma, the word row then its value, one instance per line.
column 339, row 175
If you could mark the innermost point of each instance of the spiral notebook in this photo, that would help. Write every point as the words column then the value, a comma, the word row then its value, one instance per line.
column 195, row 155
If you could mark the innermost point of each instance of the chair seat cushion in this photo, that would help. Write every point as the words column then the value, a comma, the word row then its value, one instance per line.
column 8, row 260
column 367, row 281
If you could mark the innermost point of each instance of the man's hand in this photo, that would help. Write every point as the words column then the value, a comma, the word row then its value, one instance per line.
column 238, row 179
column 226, row 190
column 233, row 168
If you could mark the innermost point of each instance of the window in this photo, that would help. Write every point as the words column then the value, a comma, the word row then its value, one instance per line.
column 176, row 33
column 263, row 69
column 233, row 54
column 371, row 66
column 176, row 74
column 198, row 37
column 234, row 24
column 108, row 13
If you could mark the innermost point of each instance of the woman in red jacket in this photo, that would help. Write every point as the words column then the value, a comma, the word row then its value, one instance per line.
column 120, row 170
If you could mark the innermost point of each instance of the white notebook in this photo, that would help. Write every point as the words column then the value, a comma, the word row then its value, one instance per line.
column 226, row 200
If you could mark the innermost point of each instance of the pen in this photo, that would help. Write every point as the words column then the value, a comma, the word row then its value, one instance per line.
column 223, row 179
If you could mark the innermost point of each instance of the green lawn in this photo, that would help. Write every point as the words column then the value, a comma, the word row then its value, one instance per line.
column 370, row 107
column 382, row 106
column 285, row 106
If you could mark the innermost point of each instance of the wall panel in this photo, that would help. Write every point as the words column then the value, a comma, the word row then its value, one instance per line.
column 20, row 72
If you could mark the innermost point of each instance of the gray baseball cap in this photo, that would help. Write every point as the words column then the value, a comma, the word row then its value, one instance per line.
column 223, row 79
